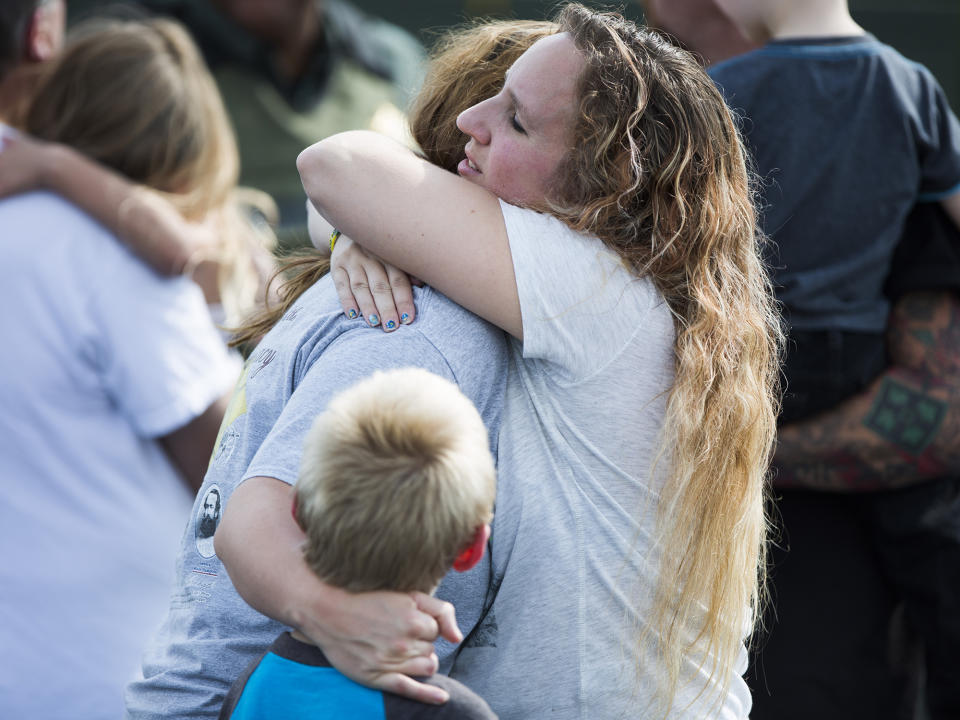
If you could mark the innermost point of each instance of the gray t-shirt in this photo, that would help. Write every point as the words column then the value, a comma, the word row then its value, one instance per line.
column 210, row 634
column 575, row 563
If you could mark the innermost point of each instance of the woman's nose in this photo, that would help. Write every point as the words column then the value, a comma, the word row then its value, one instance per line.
column 472, row 122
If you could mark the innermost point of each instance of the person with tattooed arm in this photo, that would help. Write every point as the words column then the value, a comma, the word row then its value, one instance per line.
column 869, row 502
column 867, row 460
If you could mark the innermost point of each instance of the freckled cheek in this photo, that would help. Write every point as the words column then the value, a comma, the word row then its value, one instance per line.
column 542, row 173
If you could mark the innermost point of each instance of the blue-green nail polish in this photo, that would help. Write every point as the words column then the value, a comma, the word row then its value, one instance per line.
column 405, row 318
column 391, row 324
column 352, row 314
column 373, row 319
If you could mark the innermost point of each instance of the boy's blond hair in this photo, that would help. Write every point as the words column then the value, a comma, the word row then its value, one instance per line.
column 395, row 479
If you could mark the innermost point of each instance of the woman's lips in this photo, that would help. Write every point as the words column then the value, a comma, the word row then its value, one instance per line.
column 467, row 168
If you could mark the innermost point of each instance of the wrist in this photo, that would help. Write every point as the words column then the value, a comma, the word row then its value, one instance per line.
column 312, row 599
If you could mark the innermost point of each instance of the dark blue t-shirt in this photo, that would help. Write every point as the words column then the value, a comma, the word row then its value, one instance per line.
column 846, row 135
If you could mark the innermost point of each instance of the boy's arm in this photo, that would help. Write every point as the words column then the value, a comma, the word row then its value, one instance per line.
column 142, row 219
column 904, row 428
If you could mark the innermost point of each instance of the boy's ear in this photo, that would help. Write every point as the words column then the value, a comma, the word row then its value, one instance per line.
column 474, row 551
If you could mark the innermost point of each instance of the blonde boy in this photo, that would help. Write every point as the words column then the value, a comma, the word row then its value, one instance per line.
column 396, row 486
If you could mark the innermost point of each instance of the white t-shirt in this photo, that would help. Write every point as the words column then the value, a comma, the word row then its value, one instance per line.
column 572, row 550
column 100, row 357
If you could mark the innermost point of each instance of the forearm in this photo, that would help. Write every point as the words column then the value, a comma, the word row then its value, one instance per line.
column 143, row 220
column 428, row 222
column 904, row 428
column 260, row 546
column 893, row 435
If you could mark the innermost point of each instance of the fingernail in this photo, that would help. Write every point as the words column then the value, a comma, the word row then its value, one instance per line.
column 405, row 318
column 373, row 319
column 352, row 314
column 391, row 324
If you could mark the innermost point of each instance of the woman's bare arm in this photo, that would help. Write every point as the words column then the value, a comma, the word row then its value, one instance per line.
column 427, row 221
column 377, row 638
column 144, row 220
column 904, row 428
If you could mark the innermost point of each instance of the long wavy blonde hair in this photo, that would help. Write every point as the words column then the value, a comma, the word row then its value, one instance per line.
column 136, row 96
column 659, row 174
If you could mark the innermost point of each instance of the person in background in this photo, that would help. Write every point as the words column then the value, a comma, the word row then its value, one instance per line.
column 114, row 380
column 32, row 32
column 294, row 71
column 699, row 26
column 396, row 486
column 861, row 428
column 203, row 233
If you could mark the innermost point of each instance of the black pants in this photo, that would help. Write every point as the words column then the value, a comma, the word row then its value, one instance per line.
column 858, row 581
column 844, row 567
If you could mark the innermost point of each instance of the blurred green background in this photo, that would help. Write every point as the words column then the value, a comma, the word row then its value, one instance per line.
column 927, row 31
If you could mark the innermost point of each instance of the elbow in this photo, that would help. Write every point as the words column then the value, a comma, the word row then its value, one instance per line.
column 319, row 162
column 310, row 166
column 342, row 157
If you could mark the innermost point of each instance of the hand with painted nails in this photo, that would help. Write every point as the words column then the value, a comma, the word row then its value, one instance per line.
column 370, row 288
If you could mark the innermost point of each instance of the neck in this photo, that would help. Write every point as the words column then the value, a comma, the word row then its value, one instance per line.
column 812, row 19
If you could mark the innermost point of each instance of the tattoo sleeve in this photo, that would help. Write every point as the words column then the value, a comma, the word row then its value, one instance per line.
column 905, row 428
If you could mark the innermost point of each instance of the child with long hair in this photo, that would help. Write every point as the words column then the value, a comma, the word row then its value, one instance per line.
column 158, row 171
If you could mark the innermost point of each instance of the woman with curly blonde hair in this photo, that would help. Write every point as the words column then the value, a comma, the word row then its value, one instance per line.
column 602, row 216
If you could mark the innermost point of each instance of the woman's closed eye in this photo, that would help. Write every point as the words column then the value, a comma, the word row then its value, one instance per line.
column 516, row 125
